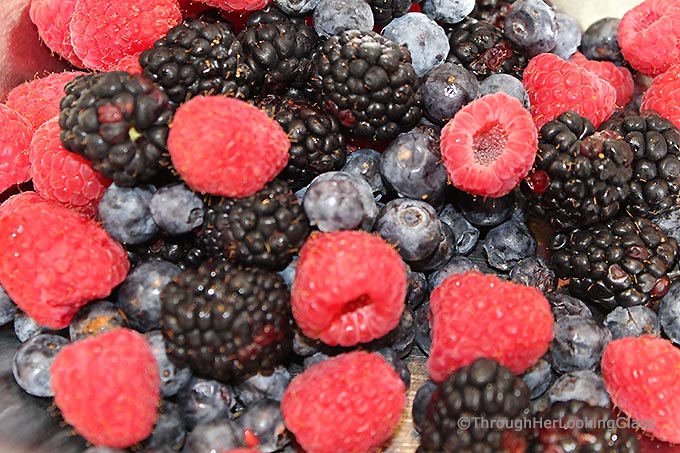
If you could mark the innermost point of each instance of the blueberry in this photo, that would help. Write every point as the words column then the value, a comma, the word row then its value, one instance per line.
column 582, row 385
column 564, row 305
column 567, row 36
column 412, row 226
column 264, row 421
column 508, row 244
column 465, row 234
column 446, row 88
column 303, row 345
column 534, row 271
column 139, row 294
column 423, row 337
column 125, row 214
column 441, row 256
column 95, row 318
column 258, row 387
column 538, row 377
column 26, row 327
column 8, row 309
column 669, row 313
column 32, row 362
column 425, row 39
column 578, row 344
column 365, row 162
column 486, row 212
column 288, row 273
column 632, row 322
column 456, row 265
column 401, row 338
column 297, row 7
column 421, row 401
column 205, row 400
column 173, row 378
column 448, row 11
column 216, row 436
column 169, row 431
column 505, row 83
column 412, row 165
column 337, row 200
column 332, row 17
column 176, row 209
column 397, row 363
column 600, row 41
column 417, row 290
column 315, row 359
column 531, row 25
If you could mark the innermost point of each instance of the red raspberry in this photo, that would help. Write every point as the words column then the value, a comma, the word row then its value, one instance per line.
column 663, row 96
column 477, row 315
column 130, row 27
column 619, row 77
column 62, row 176
column 555, row 86
column 108, row 387
column 489, row 145
column 336, row 296
column 15, row 136
column 16, row 202
column 52, row 19
column 54, row 260
column 38, row 100
column 649, row 36
column 642, row 377
column 236, row 5
column 349, row 403
column 225, row 146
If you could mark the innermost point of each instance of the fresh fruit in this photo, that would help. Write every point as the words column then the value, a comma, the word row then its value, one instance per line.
column 663, row 96
column 15, row 138
column 618, row 76
column 236, row 5
column 53, row 21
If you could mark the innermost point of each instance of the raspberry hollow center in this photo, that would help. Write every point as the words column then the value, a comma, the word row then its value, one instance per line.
column 356, row 304
column 488, row 144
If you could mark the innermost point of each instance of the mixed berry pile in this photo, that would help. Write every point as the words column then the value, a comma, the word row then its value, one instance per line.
column 230, row 224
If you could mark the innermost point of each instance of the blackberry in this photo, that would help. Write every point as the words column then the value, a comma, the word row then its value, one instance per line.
column 579, row 177
column 655, row 142
column 492, row 11
column 481, row 48
column 624, row 262
column 386, row 10
column 368, row 83
column 577, row 426
column 317, row 143
column 482, row 407
column 226, row 322
column 184, row 250
column 199, row 56
column 265, row 229
column 119, row 122
column 277, row 48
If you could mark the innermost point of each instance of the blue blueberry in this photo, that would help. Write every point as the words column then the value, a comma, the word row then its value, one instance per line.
column 176, row 209
column 465, row 234
column 205, row 400
column 314, row 359
column 448, row 11
column 95, row 318
column 139, row 294
column 173, row 378
column 423, row 338
column 413, row 226
column 26, row 327
column 332, row 17
column 531, row 25
column 402, row 338
column 669, row 313
column 170, row 431
column 412, row 165
column 632, row 322
column 582, row 385
column 508, row 244
column 397, row 363
column 567, row 36
column 337, row 200
column 505, row 83
column 32, row 362
column 446, row 88
column 365, row 162
column 216, row 436
column 538, row 377
column 456, row 265
column 417, row 288
column 258, row 387
column 8, row 309
column 303, row 345
column 125, row 214
column 600, row 41
column 578, row 344
column 534, row 271
column 297, row 7
column 564, row 305
column 288, row 273
column 425, row 39
column 486, row 212
column 441, row 256
column 421, row 401
column 265, row 421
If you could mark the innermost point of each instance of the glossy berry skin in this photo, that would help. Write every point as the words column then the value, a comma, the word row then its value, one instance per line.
column 669, row 308
column 578, row 344
column 94, row 318
column 600, row 41
column 365, row 162
column 176, row 209
column 581, row 385
column 633, row 321
column 203, row 401
column 332, row 17
column 173, row 378
column 446, row 88
column 531, row 25
column 32, row 362
column 125, row 213
column 507, row 244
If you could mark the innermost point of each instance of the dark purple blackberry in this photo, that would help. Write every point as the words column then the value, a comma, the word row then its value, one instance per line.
column 265, row 229
column 317, row 143
column 624, row 262
column 368, row 83
column 580, row 177
column 184, row 250
column 277, row 48
column 226, row 322
column 655, row 142
column 119, row 122
column 577, row 426
column 481, row 48
column 482, row 407
column 492, row 11
column 199, row 56
column 386, row 10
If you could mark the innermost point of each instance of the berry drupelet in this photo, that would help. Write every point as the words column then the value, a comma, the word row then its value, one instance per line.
column 386, row 10
column 492, row 11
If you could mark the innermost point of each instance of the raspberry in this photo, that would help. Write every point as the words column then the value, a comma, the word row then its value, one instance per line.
column 477, row 315
column 663, row 96
column 16, row 202
column 52, row 19
column 236, row 5
column 38, row 100
column 555, row 86
column 336, row 296
column 641, row 375
column 15, row 136
column 649, row 36
column 618, row 76
column 62, row 176
column 225, row 146
column 489, row 145
column 131, row 26
column 107, row 387
column 54, row 260
column 350, row 402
